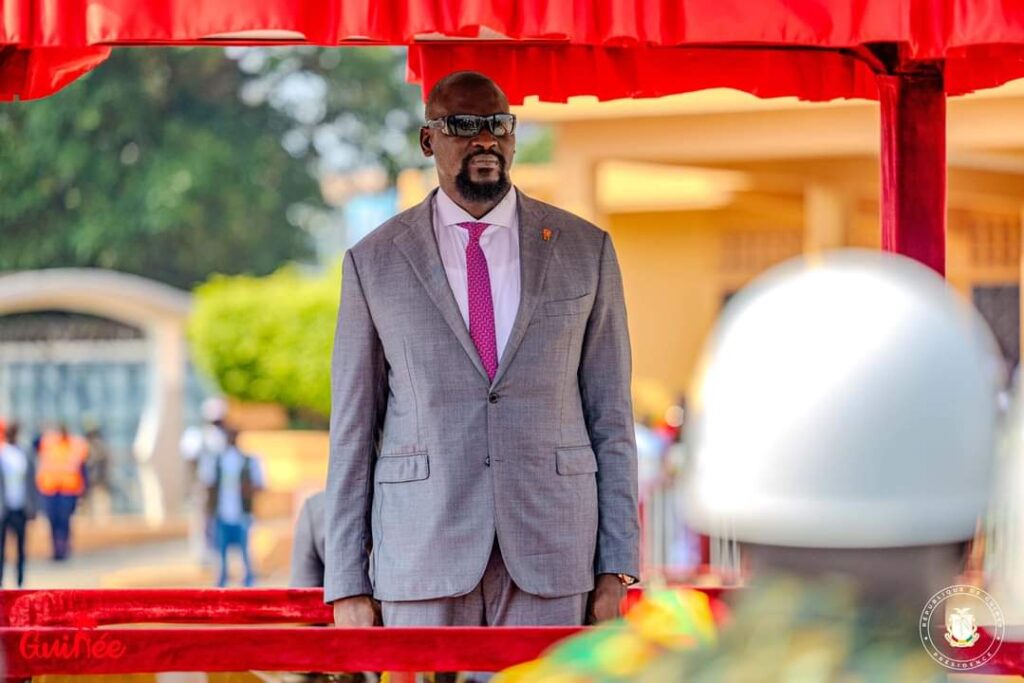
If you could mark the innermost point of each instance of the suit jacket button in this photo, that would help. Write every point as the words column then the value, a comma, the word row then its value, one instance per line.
column 487, row 461
column 493, row 398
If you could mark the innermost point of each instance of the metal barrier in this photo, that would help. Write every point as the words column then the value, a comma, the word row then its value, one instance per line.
column 91, row 632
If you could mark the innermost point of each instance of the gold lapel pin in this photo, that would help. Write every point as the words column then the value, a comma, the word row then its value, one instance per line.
column 545, row 234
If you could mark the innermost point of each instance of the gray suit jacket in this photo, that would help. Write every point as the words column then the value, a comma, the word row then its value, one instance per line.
column 307, row 570
column 430, row 460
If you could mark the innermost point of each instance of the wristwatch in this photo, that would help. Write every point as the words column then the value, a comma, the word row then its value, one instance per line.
column 626, row 579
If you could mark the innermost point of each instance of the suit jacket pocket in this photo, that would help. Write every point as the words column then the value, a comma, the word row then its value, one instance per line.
column 393, row 469
column 566, row 306
column 578, row 460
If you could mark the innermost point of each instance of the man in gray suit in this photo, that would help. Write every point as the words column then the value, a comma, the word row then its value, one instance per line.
column 482, row 467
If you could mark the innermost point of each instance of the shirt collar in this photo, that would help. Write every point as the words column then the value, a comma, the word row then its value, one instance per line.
column 503, row 214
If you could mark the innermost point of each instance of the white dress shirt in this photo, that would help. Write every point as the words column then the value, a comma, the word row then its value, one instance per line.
column 500, row 244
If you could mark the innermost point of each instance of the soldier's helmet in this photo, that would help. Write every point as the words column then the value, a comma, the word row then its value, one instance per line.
column 846, row 400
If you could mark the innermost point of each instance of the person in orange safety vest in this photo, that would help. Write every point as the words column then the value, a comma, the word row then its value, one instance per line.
column 61, row 481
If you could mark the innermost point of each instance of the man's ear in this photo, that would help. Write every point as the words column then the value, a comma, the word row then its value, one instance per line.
column 425, row 146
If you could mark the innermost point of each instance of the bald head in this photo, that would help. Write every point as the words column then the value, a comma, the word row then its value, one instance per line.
column 462, row 84
column 471, row 169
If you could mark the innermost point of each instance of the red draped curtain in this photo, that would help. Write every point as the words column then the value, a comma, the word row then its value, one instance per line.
column 814, row 49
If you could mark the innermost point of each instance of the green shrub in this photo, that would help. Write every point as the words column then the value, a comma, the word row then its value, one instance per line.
column 268, row 338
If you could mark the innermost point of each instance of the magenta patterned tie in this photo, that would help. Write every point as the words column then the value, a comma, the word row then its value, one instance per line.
column 481, row 303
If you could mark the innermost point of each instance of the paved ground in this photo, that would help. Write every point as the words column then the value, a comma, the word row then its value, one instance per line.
column 156, row 564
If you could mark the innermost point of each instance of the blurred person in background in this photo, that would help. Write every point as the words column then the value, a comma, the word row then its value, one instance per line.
column 307, row 567
column 650, row 451
column 99, row 487
column 200, row 444
column 232, row 479
column 60, row 478
column 684, row 546
column 671, row 426
column 17, row 497
column 1004, row 537
column 842, row 437
column 307, row 571
column 651, row 447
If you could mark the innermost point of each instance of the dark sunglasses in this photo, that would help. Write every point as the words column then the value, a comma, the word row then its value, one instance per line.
column 470, row 125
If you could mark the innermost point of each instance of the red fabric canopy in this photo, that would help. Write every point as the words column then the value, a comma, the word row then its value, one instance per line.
column 29, row 74
column 564, row 48
column 557, row 73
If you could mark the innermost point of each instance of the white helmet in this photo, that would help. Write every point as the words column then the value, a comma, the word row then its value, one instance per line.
column 214, row 409
column 844, row 401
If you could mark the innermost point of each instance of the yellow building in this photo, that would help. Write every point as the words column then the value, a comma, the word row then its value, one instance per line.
column 701, row 192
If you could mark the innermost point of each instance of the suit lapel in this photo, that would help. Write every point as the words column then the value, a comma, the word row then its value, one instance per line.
column 419, row 246
column 534, row 256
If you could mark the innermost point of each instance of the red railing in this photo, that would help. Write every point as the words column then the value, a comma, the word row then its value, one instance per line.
column 91, row 632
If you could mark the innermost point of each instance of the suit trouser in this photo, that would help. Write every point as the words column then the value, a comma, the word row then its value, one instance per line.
column 495, row 601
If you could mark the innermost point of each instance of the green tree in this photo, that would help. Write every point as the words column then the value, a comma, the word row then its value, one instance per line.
column 348, row 107
column 151, row 165
column 351, row 107
column 269, row 338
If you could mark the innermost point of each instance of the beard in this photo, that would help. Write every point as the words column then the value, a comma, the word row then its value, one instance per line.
column 482, row 191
